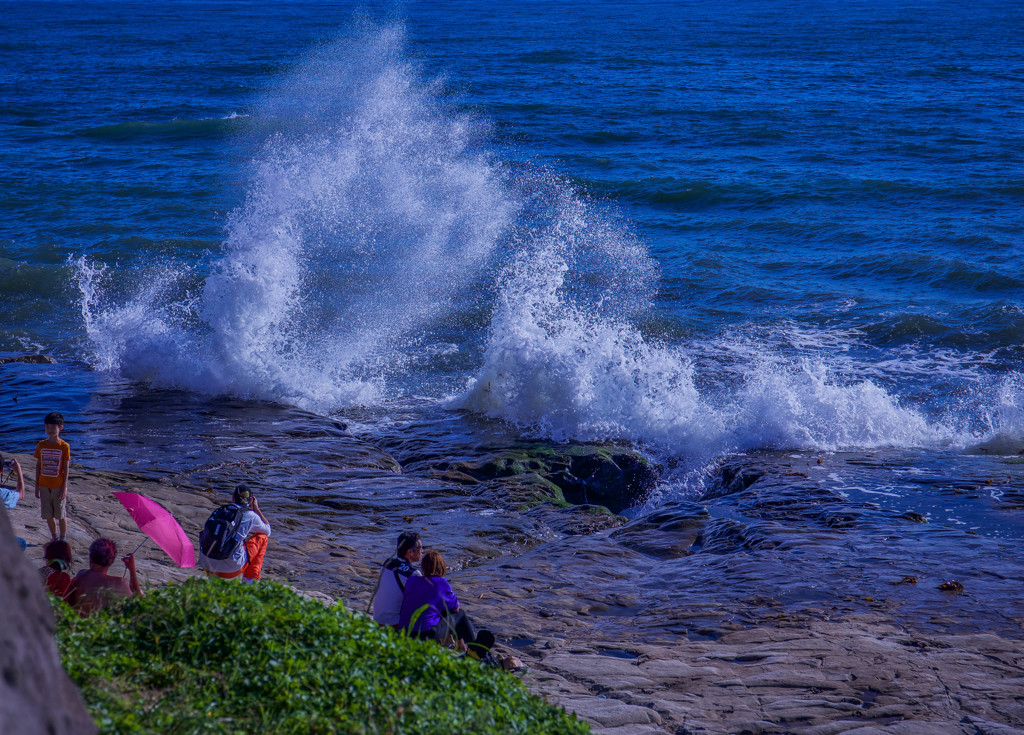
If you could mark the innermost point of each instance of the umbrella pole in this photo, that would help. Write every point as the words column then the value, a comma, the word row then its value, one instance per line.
column 140, row 545
column 144, row 540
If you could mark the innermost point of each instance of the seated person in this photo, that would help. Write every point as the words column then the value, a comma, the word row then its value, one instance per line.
column 93, row 589
column 387, row 598
column 430, row 609
column 253, row 529
column 11, row 496
column 58, row 562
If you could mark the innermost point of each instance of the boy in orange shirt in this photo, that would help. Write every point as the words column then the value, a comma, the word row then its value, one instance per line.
column 53, row 455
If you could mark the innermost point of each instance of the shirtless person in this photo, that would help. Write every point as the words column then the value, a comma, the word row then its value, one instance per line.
column 92, row 589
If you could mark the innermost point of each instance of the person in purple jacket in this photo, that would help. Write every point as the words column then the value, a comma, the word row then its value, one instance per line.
column 430, row 609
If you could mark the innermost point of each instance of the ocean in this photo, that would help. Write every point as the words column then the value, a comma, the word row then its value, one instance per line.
column 704, row 230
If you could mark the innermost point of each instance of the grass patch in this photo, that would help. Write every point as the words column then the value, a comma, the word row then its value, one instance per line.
column 211, row 656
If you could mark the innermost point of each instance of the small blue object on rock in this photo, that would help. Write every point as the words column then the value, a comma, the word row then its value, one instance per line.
column 9, row 497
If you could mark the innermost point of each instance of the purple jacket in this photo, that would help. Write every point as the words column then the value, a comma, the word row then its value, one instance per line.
column 435, row 593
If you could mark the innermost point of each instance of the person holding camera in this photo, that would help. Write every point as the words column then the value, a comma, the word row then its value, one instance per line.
column 234, row 540
column 10, row 496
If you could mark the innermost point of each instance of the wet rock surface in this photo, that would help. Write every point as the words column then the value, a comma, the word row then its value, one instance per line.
column 669, row 532
column 772, row 604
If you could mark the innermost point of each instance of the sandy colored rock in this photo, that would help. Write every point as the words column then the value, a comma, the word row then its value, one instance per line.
column 36, row 696
column 611, row 713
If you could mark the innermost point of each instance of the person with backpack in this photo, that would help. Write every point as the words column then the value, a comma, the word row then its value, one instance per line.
column 396, row 571
column 234, row 540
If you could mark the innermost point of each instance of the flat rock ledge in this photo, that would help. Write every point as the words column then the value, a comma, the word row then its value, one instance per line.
column 587, row 613
column 856, row 676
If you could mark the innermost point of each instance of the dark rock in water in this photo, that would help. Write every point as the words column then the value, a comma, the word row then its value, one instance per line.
column 735, row 476
column 952, row 586
column 32, row 359
column 580, row 474
column 668, row 533
column 36, row 696
column 914, row 516
column 610, row 476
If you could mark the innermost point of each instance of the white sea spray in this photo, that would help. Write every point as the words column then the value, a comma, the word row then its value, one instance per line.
column 371, row 214
column 376, row 216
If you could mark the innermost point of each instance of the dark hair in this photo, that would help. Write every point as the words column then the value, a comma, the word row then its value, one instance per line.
column 406, row 541
column 103, row 552
column 433, row 565
column 54, row 418
column 58, row 550
column 242, row 495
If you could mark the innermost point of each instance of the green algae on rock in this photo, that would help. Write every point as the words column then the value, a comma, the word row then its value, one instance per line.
column 575, row 474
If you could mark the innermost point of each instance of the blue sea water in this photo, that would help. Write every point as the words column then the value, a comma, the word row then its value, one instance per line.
column 702, row 228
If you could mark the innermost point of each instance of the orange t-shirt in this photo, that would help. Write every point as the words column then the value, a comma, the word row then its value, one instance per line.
column 52, row 460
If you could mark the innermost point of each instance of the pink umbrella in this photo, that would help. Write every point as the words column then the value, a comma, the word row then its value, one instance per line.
column 154, row 521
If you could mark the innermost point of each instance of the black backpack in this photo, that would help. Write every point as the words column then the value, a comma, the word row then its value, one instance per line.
column 219, row 538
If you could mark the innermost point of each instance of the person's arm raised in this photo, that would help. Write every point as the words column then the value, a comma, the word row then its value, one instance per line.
column 254, row 506
column 133, row 578
column 19, row 478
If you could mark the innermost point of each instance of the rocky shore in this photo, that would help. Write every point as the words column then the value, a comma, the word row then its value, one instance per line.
column 615, row 619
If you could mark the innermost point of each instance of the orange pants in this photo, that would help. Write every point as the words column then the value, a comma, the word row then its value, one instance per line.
column 255, row 549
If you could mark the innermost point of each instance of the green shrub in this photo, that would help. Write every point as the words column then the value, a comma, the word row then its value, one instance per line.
column 211, row 656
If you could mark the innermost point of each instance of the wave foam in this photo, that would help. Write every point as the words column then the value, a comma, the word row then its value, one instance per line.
column 571, row 376
column 371, row 213
column 560, row 368
column 373, row 226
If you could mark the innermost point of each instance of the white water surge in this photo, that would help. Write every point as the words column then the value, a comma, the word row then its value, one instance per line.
column 372, row 214
column 376, row 218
